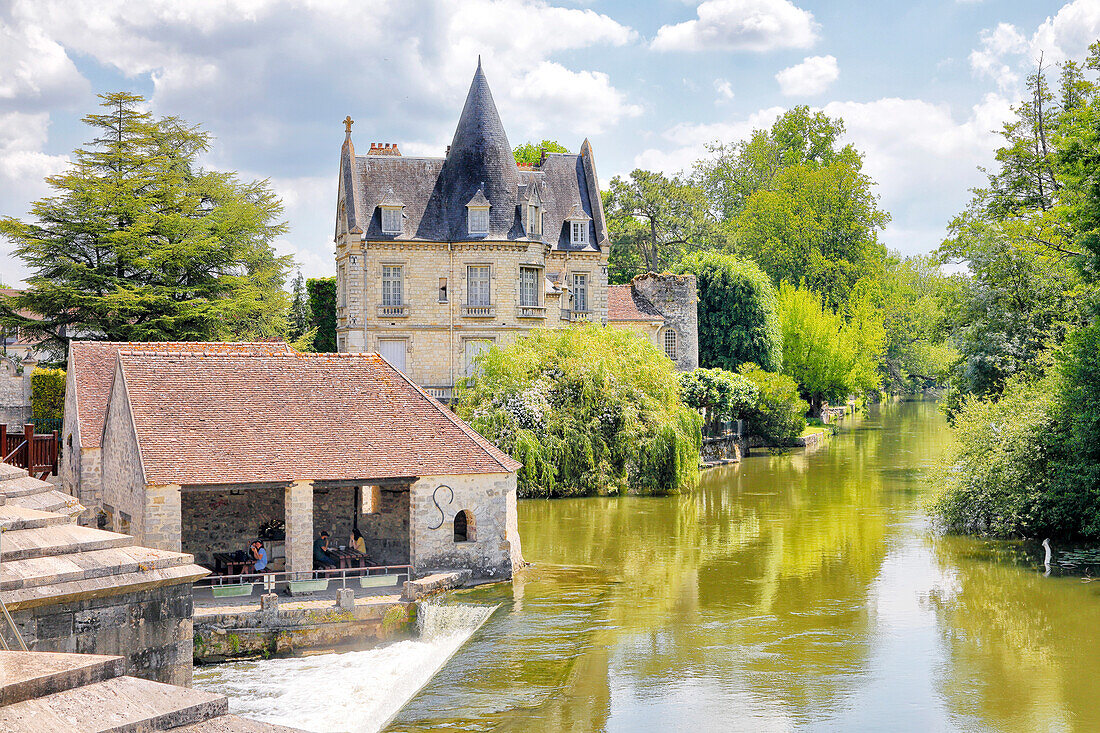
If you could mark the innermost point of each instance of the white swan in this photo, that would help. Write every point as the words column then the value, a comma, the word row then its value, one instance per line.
column 1046, row 560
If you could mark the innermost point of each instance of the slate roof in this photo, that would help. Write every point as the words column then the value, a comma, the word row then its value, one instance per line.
column 93, row 367
column 435, row 191
column 234, row 419
column 623, row 304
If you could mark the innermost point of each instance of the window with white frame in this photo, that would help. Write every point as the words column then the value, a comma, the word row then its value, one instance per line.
column 393, row 351
column 528, row 287
column 472, row 348
column 477, row 285
column 579, row 232
column 391, row 220
column 393, row 281
column 671, row 343
column 478, row 222
column 580, row 292
column 534, row 220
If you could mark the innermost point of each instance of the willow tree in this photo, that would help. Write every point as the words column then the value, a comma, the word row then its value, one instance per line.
column 139, row 243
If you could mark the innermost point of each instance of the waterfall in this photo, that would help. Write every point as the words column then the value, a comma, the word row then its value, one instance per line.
column 351, row 691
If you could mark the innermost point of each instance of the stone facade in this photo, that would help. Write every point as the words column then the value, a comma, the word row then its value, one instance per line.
column 15, row 392
column 676, row 298
column 151, row 629
column 122, row 499
column 492, row 548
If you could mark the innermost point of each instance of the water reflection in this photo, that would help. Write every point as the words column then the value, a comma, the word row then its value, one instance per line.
column 803, row 590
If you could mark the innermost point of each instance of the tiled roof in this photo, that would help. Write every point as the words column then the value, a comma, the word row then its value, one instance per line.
column 229, row 418
column 93, row 364
column 435, row 191
column 624, row 305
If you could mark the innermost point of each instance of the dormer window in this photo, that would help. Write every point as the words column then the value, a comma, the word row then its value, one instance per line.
column 391, row 220
column 578, row 232
column 479, row 220
column 534, row 219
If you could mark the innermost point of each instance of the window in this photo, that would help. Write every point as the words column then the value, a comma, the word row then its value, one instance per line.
column 534, row 220
column 477, row 285
column 464, row 526
column 670, row 343
column 580, row 292
column 393, row 351
column 473, row 347
column 370, row 499
column 391, row 220
column 124, row 523
column 580, row 232
column 528, row 287
column 341, row 285
column 442, row 290
column 478, row 221
column 393, row 285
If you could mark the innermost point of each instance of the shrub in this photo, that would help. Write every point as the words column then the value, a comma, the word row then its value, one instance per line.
column 720, row 394
column 738, row 312
column 47, row 394
column 779, row 411
column 587, row 410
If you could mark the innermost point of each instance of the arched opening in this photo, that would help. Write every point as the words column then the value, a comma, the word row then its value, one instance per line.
column 464, row 526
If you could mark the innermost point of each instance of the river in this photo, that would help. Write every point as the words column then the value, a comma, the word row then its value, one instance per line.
column 802, row 591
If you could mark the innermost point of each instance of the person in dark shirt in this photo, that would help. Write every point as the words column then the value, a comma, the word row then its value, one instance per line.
column 321, row 559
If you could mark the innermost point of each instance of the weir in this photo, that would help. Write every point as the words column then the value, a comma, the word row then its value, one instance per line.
column 356, row 691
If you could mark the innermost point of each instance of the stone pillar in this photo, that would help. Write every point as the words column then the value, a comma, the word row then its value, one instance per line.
column 28, row 368
column 299, row 528
column 162, row 526
column 345, row 599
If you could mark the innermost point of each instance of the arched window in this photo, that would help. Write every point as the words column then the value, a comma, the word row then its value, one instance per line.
column 464, row 526
column 670, row 343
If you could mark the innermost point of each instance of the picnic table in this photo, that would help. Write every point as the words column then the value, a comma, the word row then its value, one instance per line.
column 225, row 564
column 348, row 558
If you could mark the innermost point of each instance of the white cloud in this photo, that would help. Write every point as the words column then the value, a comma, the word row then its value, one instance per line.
column 812, row 76
column 35, row 71
column 990, row 60
column 740, row 25
column 688, row 142
column 724, row 89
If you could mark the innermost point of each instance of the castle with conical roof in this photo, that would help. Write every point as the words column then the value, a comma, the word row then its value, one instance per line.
column 439, row 258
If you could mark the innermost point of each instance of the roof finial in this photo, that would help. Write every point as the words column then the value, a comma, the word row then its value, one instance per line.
column 479, row 62
column 348, row 122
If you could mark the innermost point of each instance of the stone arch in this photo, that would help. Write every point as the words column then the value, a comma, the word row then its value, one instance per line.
column 464, row 529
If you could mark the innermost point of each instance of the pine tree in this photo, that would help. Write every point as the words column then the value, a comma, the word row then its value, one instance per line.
column 299, row 308
column 139, row 243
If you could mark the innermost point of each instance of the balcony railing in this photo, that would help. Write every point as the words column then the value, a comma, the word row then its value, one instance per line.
column 443, row 394
column 567, row 315
column 478, row 311
column 393, row 311
column 531, row 311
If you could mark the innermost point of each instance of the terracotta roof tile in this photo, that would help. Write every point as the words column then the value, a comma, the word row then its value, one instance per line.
column 624, row 305
column 233, row 418
column 94, row 366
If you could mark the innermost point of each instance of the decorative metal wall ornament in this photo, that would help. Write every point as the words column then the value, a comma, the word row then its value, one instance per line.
column 435, row 500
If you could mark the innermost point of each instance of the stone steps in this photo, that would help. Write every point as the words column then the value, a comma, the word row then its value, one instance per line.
column 31, row 572
column 50, row 501
column 14, row 517
column 118, row 705
column 60, row 539
column 15, row 486
column 27, row 675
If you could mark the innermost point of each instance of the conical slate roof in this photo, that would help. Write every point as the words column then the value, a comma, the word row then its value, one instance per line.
column 481, row 155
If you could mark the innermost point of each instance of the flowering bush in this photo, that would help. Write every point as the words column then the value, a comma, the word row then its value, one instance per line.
column 587, row 410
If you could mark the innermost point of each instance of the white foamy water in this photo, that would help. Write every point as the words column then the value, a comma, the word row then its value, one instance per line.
column 354, row 692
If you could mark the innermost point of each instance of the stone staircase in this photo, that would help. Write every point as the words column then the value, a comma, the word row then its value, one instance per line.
column 84, row 693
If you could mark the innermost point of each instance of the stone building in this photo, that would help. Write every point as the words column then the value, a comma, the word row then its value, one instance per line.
column 90, row 372
column 15, row 390
column 202, row 450
column 438, row 258
column 662, row 307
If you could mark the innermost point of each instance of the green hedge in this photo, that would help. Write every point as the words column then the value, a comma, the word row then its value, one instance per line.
column 47, row 394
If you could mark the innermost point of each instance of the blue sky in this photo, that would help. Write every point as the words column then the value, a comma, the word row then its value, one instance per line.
column 920, row 85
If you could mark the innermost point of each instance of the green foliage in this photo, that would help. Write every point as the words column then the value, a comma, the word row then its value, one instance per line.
column 300, row 316
column 721, row 395
column 139, row 243
column 531, row 154
column 47, row 394
column 322, row 309
column 588, row 410
column 738, row 312
column 779, row 412
column 829, row 357
column 654, row 220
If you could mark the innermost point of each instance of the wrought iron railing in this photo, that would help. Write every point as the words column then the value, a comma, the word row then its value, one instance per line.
column 270, row 580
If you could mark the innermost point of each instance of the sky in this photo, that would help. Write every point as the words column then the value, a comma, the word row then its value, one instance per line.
column 921, row 86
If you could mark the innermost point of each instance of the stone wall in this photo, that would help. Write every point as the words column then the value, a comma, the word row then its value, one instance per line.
column 221, row 521
column 15, row 394
column 386, row 532
column 493, row 550
column 729, row 448
column 123, row 479
column 151, row 629
column 676, row 298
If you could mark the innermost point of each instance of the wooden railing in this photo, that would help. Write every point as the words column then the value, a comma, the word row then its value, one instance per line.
column 37, row 453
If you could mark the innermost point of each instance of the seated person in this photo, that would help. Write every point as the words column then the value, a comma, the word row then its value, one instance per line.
column 258, row 553
column 321, row 559
column 357, row 542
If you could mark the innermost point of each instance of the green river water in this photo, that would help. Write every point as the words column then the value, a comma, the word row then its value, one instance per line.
column 803, row 591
